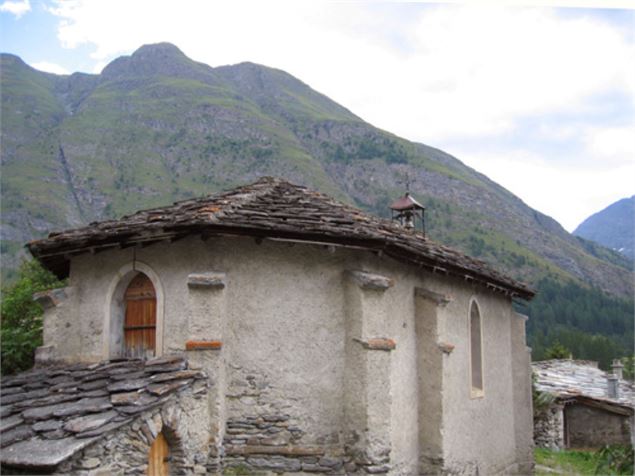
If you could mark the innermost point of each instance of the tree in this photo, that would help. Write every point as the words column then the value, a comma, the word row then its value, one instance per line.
column 557, row 351
column 629, row 367
column 21, row 316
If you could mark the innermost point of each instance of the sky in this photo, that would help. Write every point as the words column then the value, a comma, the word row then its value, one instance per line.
column 537, row 95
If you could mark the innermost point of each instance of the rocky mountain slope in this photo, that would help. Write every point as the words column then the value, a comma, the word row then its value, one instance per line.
column 613, row 227
column 156, row 126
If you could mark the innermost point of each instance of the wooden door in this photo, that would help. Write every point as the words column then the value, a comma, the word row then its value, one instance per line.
column 141, row 318
column 158, row 459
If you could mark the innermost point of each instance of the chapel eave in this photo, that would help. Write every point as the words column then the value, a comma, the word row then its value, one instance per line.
column 276, row 209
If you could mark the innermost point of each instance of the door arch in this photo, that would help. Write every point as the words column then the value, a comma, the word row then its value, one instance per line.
column 140, row 321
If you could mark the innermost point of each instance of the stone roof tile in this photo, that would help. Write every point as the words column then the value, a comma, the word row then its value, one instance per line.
column 580, row 378
column 271, row 208
column 41, row 428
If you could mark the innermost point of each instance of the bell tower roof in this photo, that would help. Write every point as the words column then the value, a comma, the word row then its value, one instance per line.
column 406, row 203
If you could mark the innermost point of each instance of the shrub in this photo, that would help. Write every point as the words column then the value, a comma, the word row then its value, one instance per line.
column 615, row 459
column 21, row 317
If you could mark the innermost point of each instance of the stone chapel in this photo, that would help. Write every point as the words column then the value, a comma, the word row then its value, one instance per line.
column 270, row 329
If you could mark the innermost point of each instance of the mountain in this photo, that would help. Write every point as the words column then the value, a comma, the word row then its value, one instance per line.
column 155, row 127
column 613, row 227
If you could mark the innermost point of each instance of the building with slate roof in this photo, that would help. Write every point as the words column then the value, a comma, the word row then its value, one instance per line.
column 592, row 408
column 272, row 329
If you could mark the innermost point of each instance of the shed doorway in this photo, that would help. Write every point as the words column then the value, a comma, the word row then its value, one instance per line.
column 140, row 323
column 159, row 457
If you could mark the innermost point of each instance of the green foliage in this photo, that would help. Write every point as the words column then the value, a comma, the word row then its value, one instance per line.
column 605, row 253
column 367, row 147
column 21, row 327
column 589, row 323
column 541, row 400
column 557, row 351
column 565, row 462
column 615, row 459
column 629, row 367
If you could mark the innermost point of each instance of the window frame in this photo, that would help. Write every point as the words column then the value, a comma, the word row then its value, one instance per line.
column 114, row 309
column 475, row 392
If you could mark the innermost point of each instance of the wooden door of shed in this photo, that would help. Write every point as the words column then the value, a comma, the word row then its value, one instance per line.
column 159, row 457
column 141, row 318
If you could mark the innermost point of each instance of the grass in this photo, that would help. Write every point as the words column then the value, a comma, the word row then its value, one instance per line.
column 610, row 460
column 568, row 462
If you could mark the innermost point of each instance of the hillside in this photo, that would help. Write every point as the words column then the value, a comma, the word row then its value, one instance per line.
column 613, row 227
column 155, row 127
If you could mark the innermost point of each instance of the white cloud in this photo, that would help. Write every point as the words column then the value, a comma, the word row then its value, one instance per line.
column 49, row 67
column 612, row 145
column 437, row 74
column 17, row 8
column 567, row 194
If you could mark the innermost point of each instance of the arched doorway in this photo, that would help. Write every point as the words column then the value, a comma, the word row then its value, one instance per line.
column 159, row 457
column 140, row 323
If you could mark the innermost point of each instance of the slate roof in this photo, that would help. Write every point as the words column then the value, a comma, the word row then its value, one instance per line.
column 271, row 208
column 48, row 414
column 577, row 379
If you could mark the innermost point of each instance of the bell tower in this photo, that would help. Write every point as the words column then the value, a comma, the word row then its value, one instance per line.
column 409, row 213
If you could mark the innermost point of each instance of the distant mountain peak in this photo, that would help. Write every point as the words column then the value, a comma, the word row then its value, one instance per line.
column 613, row 227
column 158, row 48
column 153, row 59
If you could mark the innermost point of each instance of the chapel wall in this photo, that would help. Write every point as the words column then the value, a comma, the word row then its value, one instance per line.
column 291, row 328
column 470, row 445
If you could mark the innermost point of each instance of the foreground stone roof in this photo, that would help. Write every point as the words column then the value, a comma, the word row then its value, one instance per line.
column 271, row 208
column 580, row 378
column 49, row 414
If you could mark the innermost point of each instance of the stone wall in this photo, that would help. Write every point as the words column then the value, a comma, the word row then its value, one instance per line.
column 183, row 420
column 549, row 428
column 260, row 434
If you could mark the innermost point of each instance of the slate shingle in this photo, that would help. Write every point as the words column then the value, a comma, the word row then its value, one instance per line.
column 580, row 378
column 49, row 420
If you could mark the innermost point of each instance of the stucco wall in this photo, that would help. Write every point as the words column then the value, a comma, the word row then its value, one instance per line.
column 284, row 319
column 478, row 433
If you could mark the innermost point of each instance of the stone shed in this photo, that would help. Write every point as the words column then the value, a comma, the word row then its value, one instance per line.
column 110, row 416
column 306, row 337
column 592, row 408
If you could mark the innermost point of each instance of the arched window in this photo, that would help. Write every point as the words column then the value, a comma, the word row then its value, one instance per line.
column 476, row 351
column 140, row 323
column 159, row 457
column 118, row 307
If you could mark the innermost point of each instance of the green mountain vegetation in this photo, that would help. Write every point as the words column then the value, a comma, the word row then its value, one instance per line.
column 586, row 322
column 155, row 127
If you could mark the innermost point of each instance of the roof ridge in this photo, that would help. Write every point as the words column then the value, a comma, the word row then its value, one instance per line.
column 238, row 197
